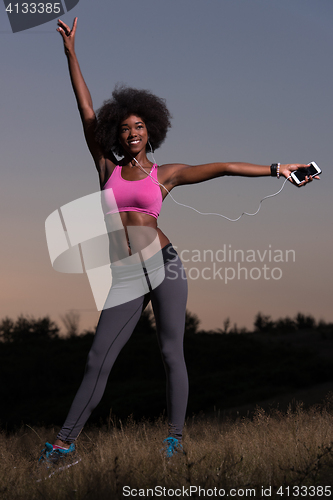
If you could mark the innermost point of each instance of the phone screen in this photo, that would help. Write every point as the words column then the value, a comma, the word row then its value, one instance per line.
column 306, row 171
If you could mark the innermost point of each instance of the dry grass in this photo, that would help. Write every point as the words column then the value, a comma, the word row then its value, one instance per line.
column 273, row 449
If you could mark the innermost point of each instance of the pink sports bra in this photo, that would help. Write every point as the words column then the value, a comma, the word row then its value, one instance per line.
column 132, row 196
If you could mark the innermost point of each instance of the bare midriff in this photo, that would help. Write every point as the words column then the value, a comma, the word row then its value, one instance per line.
column 140, row 231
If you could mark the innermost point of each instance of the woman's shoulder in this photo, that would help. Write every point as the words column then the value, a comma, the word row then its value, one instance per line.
column 168, row 170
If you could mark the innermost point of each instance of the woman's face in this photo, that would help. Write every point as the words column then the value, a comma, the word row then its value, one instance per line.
column 133, row 134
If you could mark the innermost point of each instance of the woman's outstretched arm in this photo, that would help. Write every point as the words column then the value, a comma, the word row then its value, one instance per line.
column 178, row 175
column 81, row 91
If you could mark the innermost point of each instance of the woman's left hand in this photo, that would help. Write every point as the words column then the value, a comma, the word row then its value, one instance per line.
column 287, row 169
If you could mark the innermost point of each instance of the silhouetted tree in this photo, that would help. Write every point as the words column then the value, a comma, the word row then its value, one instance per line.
column 305, row 322
column 226, row 325
column 192, row 323
column 286, row 325
column 71, row 321
column 27, row 328
column 263, row 323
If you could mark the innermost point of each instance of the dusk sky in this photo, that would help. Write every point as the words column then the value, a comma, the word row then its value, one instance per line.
column 245, row 80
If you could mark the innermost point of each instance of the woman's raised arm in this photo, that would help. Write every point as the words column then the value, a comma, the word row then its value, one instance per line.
column 81, row 92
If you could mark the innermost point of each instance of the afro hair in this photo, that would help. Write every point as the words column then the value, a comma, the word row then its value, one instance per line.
column 128, row 101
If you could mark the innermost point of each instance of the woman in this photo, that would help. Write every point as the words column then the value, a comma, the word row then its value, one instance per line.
column 131, row 123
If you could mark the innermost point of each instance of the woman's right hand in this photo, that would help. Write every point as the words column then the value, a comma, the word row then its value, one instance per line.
column 68, row 35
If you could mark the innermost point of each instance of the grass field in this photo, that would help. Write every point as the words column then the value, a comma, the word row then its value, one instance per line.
column 280, row 454
column 238, row 453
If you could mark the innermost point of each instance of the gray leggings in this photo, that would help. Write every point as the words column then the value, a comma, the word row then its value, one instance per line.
column 115, row 327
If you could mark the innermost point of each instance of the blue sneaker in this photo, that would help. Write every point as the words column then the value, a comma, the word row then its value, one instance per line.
column 58, row 458
column 172, row 446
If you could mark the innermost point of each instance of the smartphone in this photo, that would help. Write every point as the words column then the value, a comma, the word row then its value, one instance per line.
column 299, row 175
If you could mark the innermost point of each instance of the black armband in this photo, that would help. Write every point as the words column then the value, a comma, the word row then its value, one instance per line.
column 274, row 170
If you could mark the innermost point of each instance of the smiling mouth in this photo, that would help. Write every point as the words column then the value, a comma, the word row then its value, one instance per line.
column 134, row 142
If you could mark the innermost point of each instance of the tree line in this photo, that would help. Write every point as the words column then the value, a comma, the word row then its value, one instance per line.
column 27, row 328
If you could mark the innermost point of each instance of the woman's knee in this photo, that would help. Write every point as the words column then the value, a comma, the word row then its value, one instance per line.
column 172, row 353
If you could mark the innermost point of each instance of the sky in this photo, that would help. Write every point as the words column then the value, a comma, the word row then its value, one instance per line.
column 245, row 80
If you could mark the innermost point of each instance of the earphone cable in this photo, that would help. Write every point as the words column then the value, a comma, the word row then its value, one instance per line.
column 209, row 213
